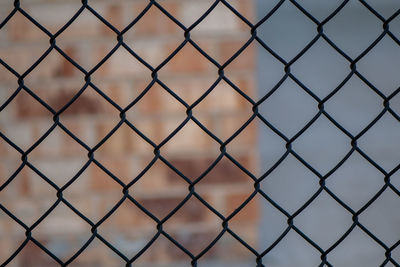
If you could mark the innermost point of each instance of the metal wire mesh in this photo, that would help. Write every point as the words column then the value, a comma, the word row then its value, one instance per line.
column 191, row 183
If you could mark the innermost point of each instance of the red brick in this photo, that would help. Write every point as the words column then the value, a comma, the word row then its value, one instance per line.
column 66, row 69
column 247, row 9
column 20, row 59
column 25, row 184
column 87, row 103
column 51, row 146
column 120, row 64
column 21, row 134
column 151, row 101
column 101, row 181
column 224, row 172
column 247, row 138
column 249, row 214
column 190, row 139
column 170, row 26
column 148, row 24
column 245, row 60
column 187, row 60
column 247, row 84
column 156, row 253
column 158, row 101
column 128, row 214
column 117, row 143
column 154, row 181
column 56, row 14
column 192, row 211
column 4, row 152
column 220, row 21
column 190, row 89
column 151, row 128
column 53, row 66
column 85, row 26
column 125, row 154
column 230, row 251
column 114, row 15
column 120, row 92
column 82, row 129
column 2, row 173
column 84, row 104
column 154, row 22
column 21, row 29
column 98, row 254
column 28, row 107
column 195, row 242
column 213, row 104
column 85, row 203
column 34, row 256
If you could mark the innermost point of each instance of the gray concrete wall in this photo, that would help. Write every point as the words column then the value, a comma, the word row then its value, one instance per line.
column 322, row 69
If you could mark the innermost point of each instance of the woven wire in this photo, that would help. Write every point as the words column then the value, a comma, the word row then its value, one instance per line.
column 225, row 228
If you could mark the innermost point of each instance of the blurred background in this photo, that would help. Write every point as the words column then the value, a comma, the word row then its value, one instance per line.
column 122, row 78
column 323, row 145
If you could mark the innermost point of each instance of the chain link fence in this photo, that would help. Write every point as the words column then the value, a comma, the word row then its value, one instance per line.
column 190, row 108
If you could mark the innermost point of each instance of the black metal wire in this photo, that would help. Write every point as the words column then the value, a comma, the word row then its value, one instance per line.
column 225, row 228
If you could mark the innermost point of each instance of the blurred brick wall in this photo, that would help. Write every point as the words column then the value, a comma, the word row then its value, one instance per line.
column 125, row 154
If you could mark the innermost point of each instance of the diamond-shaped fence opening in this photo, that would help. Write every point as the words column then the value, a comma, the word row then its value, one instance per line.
column 199, row 133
